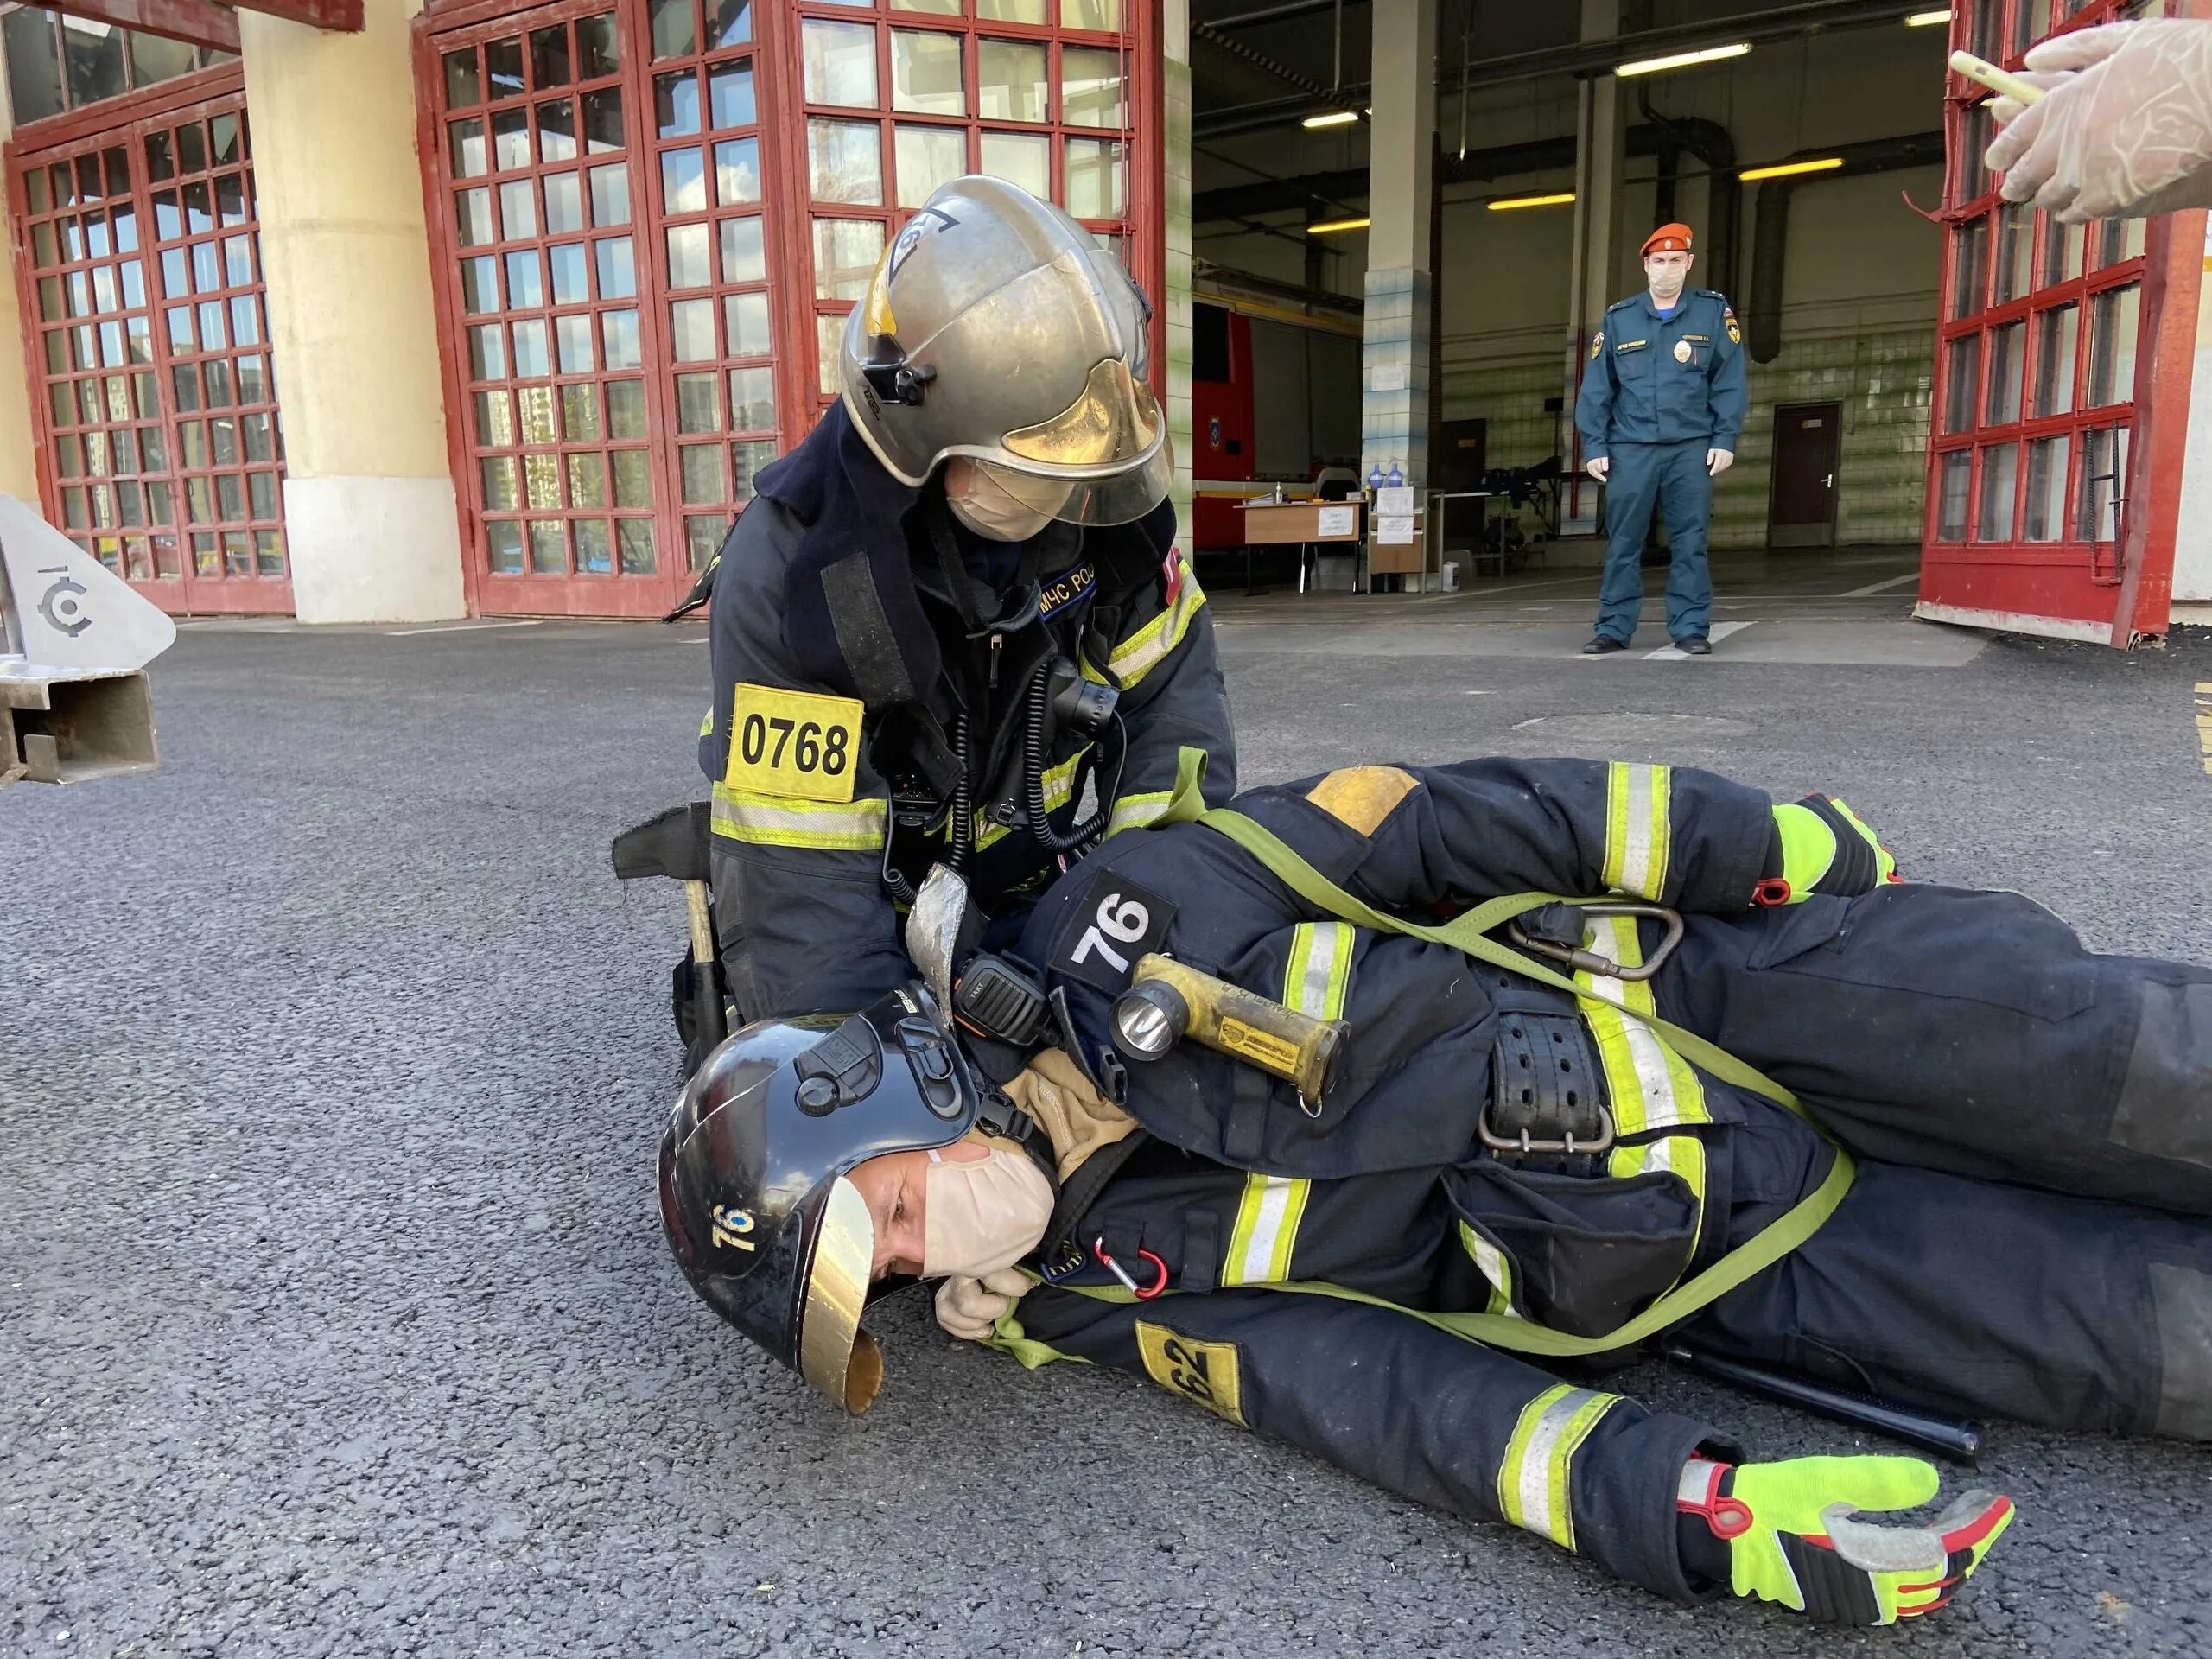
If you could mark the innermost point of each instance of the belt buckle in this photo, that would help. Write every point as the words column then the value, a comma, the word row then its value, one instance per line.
column 1523, row 1145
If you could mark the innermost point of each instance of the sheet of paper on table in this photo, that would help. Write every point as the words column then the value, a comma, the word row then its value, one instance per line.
column 1395, row 502
column 1335, row 521
column 1394, row 529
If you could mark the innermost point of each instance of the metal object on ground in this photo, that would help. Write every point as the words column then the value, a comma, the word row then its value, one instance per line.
column 74, row 642
column 1167, row 1001
column 1946, row 1437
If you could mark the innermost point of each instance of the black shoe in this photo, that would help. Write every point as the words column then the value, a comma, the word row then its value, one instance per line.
column 1604, row 644
column 1696, row 645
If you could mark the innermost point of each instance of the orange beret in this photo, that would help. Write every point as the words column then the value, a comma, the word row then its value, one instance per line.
column 1668, row 238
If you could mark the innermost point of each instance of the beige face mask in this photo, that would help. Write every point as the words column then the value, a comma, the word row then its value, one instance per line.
column 984, row 1215
column 978, row 502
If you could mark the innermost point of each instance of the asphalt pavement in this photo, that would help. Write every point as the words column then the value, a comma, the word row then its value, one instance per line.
column 334, row 1315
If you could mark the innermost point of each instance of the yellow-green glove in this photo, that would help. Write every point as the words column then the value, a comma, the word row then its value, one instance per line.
column 1793, row 1536
column 1822, row 846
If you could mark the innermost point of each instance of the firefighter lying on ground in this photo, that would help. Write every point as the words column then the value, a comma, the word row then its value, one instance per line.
column 1909, row 1139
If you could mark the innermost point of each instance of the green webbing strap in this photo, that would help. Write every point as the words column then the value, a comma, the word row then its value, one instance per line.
column 1465, row 934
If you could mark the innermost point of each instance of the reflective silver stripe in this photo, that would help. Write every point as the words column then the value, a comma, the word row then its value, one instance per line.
column 1534, row 1483
column 1320, row 977
column 1267, row 1228
column 1137, row 811
column 1635, row 854
column 768, row 821
column 1492, row 1263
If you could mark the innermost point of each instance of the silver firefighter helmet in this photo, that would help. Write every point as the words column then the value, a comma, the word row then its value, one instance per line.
column 995, row 329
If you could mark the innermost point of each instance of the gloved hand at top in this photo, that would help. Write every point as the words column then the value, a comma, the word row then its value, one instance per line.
column 2124, row 129
column 1793, row 1535
column 1819, row 845
column 971, row 1308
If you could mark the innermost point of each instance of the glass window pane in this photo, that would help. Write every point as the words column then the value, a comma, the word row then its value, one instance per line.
column 746, row 460
column 689, row 263
column 595, row 548
column 697, row 408
column 2062, row 251
column 472, row 217
column 1952, row 496
column 938, row 8
column 752, row 400
column 844, row 161
column 541, row 480
column 829, row 347
column 534, row 415
column 729, row 94
column 625, row 408
column 618, row 267
column 926, row 157
column 846, row 251
column 1961, row 382
column 2104, row 468
column 1011, row 11
column 2112, row 345
column 1091, row 87
column 2045, row 517
column 580, row 413
column 636, row 538
column 682, row 182
column 503, row 546
column 633, row 479
column 737, row 171
column 567, row 263
column 587, row 479
column 479, row 285
column 840, row 61
column 674, row 28
column 548, row 547
column 565, row 203
column 728, row 22
column 745, row 317
column 1973, row 172
column 549, row 57
column 2056, row 331
column 2015, row 231
column 503, row 66
column 487, row 353
column 599, row 48
column 691, row 330
column 525, row 280
column 743, row 258
column 495, row 418
column 676, row 104
column 464, row 139
column 1090, row 14
column 500, row 494
column 1009, row 80
column 556, row 130
column 603, row 120
column 926, row 73
column 619, row 342
column 610, row 196
column 1022, row 158
column 1969, row 267
column 1094, row 178
column 702, row 534
column 2005, row 347
column 701, row 472
column 573, row 335
column 2000, row 467
column 532, row 359
column 517, row 210
column 509, row 141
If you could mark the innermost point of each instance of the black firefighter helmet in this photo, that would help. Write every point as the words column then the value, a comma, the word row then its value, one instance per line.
column 752, row 1188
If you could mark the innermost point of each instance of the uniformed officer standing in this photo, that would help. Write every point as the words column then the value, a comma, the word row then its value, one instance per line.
column 1661, row 404
column 954, row 629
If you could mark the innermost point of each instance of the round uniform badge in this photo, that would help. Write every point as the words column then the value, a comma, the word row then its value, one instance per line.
column 1682, row 351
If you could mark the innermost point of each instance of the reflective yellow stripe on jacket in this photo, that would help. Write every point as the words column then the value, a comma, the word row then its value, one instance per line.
column 1534, row 1485
column 1315, row 979
column 780, row 821
column 1059, row 786
column 1651, row 1087
column 1143, row 651
column 1637, row 826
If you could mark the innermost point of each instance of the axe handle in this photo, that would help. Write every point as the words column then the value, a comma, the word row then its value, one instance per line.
column 695, row 899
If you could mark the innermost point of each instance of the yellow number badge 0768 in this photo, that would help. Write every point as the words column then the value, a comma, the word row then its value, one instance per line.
column 801, row 745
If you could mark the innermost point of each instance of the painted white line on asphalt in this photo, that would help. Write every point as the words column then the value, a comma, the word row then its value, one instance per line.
column 466, row 628
column 1879, row 587
column 1720, row 631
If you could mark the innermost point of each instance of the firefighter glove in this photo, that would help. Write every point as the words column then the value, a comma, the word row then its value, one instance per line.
column 1819, row 845
column 970, row 1308
column 1794, row 1534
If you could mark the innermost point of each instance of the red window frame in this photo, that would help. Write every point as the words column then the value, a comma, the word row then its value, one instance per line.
column 2115, row 513
column 208, row 534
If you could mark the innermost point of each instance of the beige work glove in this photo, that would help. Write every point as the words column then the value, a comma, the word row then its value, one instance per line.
column 971, row 1308
column 2123, row 129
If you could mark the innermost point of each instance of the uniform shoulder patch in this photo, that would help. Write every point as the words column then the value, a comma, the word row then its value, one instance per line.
column 1360, row 797
column 1597, row 343
column 1206, row 1373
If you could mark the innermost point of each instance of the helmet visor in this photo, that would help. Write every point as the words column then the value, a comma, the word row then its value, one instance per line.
column 835, row 1353
column 1115, row 420
column 1114, row 499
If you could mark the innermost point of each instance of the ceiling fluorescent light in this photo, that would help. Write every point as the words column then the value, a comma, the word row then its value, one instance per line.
column 1791, row 169
column 1329, row 227
column 1501, row 205
column 1927, row 19
column 1332, row 118
column 1684, row 60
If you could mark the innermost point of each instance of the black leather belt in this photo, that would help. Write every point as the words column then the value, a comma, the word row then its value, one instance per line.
column 1547, row 1089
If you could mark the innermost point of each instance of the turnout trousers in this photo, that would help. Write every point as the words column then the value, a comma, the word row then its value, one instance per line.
column 2028, row 1233
column 1672, row 478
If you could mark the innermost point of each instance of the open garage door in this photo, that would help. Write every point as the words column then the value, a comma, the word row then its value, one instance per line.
column 2062, row 386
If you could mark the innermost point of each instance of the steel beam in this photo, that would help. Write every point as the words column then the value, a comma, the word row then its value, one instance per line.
column 196, row 22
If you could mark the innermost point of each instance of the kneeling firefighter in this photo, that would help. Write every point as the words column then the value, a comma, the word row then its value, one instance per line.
column 1755, row 1101
column 953, row 629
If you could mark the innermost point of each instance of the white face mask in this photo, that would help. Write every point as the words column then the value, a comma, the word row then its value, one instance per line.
column 983, row 1215
column 980, row 504
column 1667, row 281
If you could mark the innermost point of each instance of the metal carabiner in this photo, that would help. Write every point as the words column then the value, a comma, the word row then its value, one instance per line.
column 1589, row 962
column 1143, row 1294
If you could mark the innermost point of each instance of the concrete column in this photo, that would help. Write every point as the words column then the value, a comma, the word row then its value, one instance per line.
column 18, row 435
column 369, row 512
column 1395, row 357
column 1175, row 130
column 1600, row 161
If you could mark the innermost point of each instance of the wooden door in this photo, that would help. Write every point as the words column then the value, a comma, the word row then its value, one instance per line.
column 1808, row 447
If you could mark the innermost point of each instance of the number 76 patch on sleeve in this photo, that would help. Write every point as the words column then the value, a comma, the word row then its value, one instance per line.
column 801, row 745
